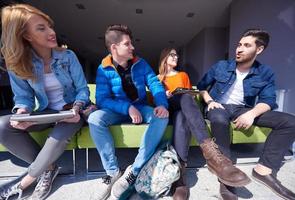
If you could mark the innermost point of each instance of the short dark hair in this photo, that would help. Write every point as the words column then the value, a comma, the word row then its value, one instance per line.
column 114, row 34
column 262, row 37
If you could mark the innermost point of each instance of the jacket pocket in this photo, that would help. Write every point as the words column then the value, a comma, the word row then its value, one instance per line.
column 256, row 87
column 221, row 79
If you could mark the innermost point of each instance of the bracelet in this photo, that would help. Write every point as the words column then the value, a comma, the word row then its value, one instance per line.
column 210, row 101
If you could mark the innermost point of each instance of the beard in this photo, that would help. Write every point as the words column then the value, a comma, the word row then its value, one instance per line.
column 246, row 58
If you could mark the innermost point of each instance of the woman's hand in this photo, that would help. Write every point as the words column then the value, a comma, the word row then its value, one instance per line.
column 21, row 125
column 74, row 119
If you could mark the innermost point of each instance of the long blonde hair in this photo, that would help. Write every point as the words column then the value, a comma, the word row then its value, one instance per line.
column 163, row 63
column 15, row 49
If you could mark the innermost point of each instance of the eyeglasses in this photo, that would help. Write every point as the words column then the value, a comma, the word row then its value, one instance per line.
column 173, row 55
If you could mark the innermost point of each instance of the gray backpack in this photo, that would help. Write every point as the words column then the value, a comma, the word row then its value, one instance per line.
column 158, row 174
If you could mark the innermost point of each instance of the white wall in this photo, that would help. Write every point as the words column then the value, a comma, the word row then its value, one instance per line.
column 205, row 49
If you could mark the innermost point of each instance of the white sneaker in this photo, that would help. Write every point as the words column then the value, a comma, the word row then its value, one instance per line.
column 105, row 186
column 123, row 183
column 44, row 185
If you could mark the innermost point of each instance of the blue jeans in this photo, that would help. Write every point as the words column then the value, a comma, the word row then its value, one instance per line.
column 99, row 122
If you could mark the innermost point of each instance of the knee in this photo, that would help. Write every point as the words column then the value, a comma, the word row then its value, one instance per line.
column 58, row 143
column 219, row 119
column 186, row 98
column 287, row 120
column 4, row 123
column 96, row 118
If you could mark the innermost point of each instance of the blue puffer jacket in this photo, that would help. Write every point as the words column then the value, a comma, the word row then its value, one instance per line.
column 110, row 93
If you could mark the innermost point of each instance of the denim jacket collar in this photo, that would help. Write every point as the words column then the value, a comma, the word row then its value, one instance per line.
column 56, row 55
column 253, row 70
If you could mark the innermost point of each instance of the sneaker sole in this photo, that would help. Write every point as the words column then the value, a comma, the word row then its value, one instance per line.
column 235, row 184
column 55, row 175
column 261, row 182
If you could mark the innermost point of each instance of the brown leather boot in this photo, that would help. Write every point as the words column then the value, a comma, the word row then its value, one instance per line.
column 221, row 166
column 181, row 190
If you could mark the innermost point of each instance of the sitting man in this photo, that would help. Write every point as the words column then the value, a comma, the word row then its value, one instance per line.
column 234, row 86
column 121, row 96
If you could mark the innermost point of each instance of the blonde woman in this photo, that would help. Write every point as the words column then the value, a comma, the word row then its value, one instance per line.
column 38, row 69
column 187, row 120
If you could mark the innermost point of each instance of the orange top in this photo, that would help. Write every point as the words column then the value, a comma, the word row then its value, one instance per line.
column 180, row 79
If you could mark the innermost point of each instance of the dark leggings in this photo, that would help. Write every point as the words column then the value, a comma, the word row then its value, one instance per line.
column 22, row 145
column 187, row 120
column 277, row 142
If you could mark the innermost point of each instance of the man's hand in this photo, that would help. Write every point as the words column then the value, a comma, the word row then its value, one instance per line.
column 213, row 105
column 135, row 115
column 21, row 125
column 161, row 112
column 245, row 120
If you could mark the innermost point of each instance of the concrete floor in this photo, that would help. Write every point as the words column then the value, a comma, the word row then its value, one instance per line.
column 203, row 185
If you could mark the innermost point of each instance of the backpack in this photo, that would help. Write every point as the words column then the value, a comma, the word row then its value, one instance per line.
column 158, row 174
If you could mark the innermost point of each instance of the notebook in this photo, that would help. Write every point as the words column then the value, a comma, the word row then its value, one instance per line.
column 43, row 117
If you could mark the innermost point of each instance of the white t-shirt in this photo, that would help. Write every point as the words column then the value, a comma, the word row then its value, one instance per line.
column 235, row 94
column 54, row 92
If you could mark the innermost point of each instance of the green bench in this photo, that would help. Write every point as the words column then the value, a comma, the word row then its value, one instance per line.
column 129, row 135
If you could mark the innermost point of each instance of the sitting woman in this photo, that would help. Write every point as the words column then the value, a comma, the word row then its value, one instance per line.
column 38, row 69
column 188, row 119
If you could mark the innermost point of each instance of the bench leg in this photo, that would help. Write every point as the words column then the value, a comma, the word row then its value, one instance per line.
column 74, row 161
column 87, row 164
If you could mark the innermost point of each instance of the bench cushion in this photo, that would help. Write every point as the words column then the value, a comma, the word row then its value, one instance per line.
column 254, row 134
column 125, row 136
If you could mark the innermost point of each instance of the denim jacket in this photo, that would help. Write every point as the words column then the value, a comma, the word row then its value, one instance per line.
column 68, row 72
column 259, row 83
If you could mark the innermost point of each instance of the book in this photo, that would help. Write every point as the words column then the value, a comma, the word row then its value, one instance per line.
column 185, row 90
column 43, row 117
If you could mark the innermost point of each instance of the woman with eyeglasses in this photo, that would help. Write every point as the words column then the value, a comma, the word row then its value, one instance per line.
column 187, row 119
column 39, row 70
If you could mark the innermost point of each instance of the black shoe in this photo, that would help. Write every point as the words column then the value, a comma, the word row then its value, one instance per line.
column 274, row 184
column 227, row 192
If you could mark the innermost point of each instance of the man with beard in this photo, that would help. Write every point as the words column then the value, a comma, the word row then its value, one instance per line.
column 233, row 87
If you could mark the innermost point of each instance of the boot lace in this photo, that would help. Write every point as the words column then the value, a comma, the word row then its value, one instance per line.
column 44, row 180
column 107, row 179
column 214, row 150
column 130, row 178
